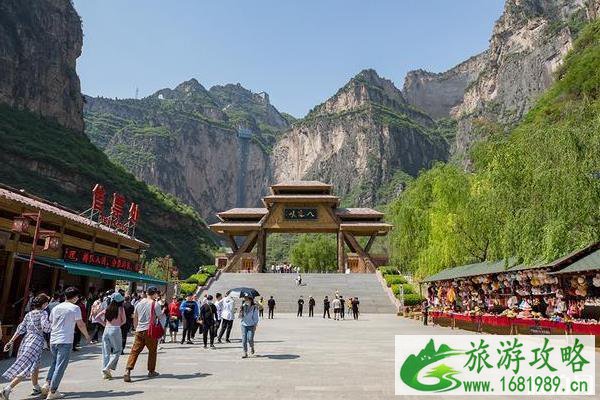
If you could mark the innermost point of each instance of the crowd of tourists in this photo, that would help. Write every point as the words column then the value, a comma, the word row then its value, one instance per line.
column 284, row 268
column 56, row 322
column 340, row 307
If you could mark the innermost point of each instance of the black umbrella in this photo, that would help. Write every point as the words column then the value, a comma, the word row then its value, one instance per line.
column 243, row 292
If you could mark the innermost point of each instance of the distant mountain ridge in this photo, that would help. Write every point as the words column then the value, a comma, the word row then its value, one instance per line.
column 368, row 139
column 209, row 148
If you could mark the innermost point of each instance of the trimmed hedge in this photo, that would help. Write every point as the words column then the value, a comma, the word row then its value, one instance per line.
column 408, row 289
column 394, row 279
column 209, row 270
column 388, row 271
column 198, row 279
column 187, row 288
column 413, row 299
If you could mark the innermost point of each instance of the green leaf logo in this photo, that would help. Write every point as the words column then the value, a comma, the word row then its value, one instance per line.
column 409, row 372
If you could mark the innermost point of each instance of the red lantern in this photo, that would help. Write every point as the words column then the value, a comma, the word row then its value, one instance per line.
column 21, row 224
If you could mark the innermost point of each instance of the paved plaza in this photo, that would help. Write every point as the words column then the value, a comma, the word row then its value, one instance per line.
column 307, row 358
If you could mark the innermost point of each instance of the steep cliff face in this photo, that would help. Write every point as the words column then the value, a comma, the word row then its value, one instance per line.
column 358, row 140
column 438, row 93
column 39, row 45
column 527, row 46
column 207, row 147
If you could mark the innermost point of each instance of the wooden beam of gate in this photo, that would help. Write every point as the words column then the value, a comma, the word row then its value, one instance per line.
column 232, row 243
column 369, row 244
column 244, row 248
column 366, row 259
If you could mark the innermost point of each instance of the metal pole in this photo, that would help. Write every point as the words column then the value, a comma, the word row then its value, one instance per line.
column 31, row 261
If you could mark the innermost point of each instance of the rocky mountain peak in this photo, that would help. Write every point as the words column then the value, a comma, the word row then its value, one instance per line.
column 40, row 42
column 365, row 88
column 190, row 86
column 437, row 93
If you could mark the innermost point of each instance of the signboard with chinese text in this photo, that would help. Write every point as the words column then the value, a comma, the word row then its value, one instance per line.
column 296, row 214
column 101, row 260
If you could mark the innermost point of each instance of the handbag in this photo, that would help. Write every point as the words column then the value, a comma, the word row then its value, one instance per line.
column 155, row 328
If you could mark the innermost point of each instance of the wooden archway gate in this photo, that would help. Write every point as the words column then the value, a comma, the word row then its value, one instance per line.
column 300, row 207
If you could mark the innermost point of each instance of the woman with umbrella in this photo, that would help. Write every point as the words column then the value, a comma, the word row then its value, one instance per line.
column 248, row 316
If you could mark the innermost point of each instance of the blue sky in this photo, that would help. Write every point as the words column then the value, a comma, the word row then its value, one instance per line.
column 300, row 52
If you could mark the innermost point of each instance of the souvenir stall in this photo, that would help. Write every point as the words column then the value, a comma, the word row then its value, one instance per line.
column 519, row 300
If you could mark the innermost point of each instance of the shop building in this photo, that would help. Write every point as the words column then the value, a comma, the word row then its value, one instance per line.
column 71, row 250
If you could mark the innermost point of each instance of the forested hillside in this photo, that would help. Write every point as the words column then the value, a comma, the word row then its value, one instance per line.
column 534, row 194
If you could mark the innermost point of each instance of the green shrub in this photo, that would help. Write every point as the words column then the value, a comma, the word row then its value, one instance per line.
column 408, row 289
column 394, row 279
column 209, row 270
column 198, row 279
column 388, row 271
column 413, row 299
column 187, row 288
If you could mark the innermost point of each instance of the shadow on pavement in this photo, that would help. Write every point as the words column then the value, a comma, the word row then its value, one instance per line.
column 100, row 394
column 278, row 356
column 172, row 376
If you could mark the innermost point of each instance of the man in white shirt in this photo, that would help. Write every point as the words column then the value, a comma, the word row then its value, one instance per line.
column 63, row 318
column 227, row 317
column 142, row 317
column 219, row 307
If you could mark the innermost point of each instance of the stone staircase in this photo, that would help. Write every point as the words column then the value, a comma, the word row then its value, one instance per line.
column 372, row 296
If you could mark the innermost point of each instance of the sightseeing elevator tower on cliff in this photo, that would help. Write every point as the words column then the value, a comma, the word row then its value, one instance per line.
column 244, row 136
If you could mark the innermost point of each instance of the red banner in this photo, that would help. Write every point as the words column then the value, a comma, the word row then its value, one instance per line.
column 133, row 213
column 87, row 257
column 118, row 204
column 98, row 195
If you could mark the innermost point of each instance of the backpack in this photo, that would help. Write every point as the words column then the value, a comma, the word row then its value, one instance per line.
column 155, row 328
column 209, row 311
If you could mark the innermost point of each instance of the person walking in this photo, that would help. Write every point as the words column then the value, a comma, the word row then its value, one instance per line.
column 146, row 312
column 227, row 316
column 174, row 318
column 189, row 312
column 196, row 324
column 261, row 307
column 341, row 309
column 63, row 319
column 126, row 327
column 96, row 326
column 326, row 305
column 311, row 307
column 76, row 332
column 249, row 322
column 218, row 314
column 271, row 305
column 336, row 309
column 208, row 313
column 300, row 307
column 355, row 304
column 27, row 364
column 349, row 305
column 425, row 311
column 114, row 318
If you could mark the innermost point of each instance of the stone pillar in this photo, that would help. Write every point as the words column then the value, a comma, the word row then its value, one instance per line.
column 341, row 252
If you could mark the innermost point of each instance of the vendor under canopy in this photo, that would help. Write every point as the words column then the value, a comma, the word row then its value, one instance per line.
column 570, row 294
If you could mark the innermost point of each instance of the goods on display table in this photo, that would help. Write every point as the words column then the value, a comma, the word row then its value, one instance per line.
column 525, row 301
